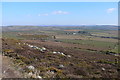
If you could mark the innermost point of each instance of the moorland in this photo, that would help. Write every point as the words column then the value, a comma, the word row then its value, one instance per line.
column 62, row 51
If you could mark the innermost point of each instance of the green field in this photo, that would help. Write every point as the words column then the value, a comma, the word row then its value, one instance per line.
column 91, row 43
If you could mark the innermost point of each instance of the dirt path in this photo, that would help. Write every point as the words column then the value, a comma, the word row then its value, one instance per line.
column 8, row 70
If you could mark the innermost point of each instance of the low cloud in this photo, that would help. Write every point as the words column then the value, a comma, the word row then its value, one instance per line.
column 110, row 10
column 60, row 12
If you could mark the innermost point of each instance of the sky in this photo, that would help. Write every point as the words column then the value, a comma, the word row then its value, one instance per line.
column 59, row 13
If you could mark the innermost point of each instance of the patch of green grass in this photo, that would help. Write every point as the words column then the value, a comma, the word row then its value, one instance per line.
column 91, row 43
column 116, row 50
column 11, row 35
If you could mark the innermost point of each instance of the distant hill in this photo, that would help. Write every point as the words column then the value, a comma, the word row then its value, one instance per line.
column 42, row 27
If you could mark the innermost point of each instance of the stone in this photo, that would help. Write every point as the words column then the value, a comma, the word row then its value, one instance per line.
column 69, row 56
column 61, row 66
column 62, row 54
column 54, row 52
column 58, row 52
column 43, row 48
column 19, row 43
column 39, row 77
column 31, row 67
column 30, row 74
column 103, row 69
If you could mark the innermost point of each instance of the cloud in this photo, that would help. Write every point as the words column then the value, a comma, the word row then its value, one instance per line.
column 43, row 14
column 54, row 12
column 110, row 10
column 60, row 12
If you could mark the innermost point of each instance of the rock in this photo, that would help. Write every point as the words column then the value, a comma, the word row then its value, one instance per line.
column 43, row 48
column 36, row 59
column 69, row 56
column 37, row 47
column 74, row 33
column 61, row 66
column 54, row 52
column 31, row 67
column 116, row 54
column 62, row 54
column 50, row 72
column 19, row 43
column 103, row 69
column 58, row 52
column 30, row 74
column 30, row 46
column 39, row 77
column 4, row 72
column 34, row 76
